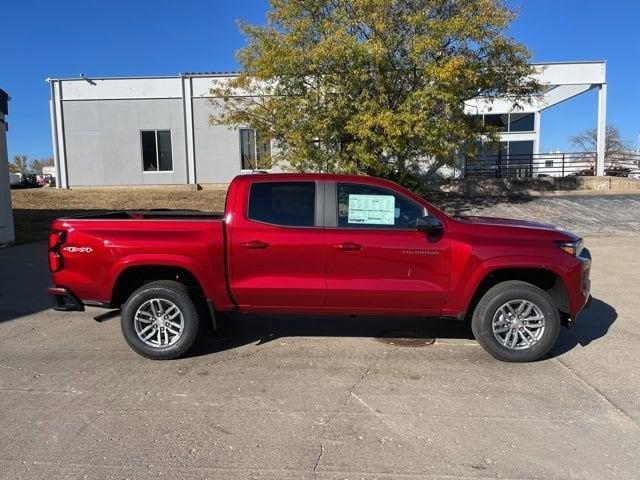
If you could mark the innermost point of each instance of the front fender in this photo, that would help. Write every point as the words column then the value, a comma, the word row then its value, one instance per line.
column 464, row 287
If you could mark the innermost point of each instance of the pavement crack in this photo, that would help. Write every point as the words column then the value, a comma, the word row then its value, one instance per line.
column 599, row 393
column 341, row 407
column 318, row 460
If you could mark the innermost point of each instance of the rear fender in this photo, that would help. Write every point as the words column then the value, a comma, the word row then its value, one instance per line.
column 154, row 260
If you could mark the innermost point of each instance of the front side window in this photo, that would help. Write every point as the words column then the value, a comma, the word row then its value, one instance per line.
column 156, row 150
column 255, row 150
column 366, row 206
column 290, row 204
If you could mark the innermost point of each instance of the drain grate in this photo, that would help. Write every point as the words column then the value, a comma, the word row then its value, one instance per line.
column 404, row 339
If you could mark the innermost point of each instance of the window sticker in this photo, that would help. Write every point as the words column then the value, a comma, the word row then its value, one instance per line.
column 372, row 209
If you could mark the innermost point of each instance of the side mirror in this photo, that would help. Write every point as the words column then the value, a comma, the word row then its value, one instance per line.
column 429, row 225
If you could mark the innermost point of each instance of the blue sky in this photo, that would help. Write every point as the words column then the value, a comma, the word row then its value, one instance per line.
column 112, row 38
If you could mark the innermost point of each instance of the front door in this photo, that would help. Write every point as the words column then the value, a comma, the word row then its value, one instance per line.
column 376, row 259
column 277, row 250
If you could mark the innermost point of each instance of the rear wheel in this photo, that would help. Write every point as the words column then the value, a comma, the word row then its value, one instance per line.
column 160, row 321
column 516, row 322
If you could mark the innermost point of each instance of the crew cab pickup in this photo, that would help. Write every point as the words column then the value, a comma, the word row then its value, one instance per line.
column 320, row 244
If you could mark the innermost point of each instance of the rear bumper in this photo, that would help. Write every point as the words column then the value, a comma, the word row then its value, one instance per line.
column 64, row 300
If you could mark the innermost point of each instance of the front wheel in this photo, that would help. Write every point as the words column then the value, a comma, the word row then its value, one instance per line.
column 516, row 322
column 160, row 321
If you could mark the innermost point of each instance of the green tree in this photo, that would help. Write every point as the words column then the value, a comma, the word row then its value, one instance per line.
column 372, row 85
column 19, row 164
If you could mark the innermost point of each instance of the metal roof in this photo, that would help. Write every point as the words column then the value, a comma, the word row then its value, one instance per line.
column 210, row 74
column 135, row 77
column 229, row 73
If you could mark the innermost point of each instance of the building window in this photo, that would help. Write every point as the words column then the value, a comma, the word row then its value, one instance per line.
column 511, row 122
column 521, row 122
column 491, row 149
column 156, row 150
column 500, row 122
column 521, row 149
column 255, row 151
column 548, row 163
column 290, row 204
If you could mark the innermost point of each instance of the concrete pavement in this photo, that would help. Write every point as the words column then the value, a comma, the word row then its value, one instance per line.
column 306, row 398
column 585, row 214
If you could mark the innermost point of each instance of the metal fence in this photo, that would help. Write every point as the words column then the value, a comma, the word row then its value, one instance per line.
column 542, row 165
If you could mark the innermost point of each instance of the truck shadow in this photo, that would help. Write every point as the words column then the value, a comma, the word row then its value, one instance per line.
column 241, row 329
column 25, row 276
column 593, row 323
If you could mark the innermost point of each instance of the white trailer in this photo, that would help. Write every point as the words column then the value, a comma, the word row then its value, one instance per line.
column 14, row 179
column 7, row 234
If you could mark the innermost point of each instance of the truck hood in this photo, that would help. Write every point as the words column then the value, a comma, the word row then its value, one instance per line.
column 505, row 222
column 523, row 225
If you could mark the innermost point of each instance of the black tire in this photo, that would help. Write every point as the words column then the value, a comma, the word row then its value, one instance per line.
column 169, row 291
column 499, row 295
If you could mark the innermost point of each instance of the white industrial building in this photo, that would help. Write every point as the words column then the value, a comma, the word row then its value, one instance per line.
column 155, row 130
column 6, row 215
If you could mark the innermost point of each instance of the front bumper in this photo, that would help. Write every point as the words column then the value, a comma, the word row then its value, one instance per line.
column 585, row 258
column 64, row 300
column 582, row 288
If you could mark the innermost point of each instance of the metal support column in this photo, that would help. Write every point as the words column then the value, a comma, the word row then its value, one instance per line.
column 187, row 105
column 57, row 133
column 602, row 129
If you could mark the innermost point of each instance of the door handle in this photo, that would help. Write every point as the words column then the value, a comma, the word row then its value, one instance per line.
column 348, row 246
column 254, row 245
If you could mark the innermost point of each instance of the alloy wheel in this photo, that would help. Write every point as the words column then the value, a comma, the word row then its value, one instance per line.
column 159, row 322
column 518, row 324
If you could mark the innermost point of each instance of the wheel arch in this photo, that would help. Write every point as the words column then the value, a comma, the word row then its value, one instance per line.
column 546, row 279
column 132, row 277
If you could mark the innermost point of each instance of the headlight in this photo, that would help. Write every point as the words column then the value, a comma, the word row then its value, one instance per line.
column 573, row 248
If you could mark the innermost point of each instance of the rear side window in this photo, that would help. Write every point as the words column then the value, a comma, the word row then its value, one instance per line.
column 290, row 204
column 366, row 206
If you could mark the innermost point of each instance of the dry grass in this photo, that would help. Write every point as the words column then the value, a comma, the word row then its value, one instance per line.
column 34, row 209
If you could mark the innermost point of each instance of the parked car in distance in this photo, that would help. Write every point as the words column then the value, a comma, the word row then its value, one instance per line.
column 610, row 171
column 320, row 244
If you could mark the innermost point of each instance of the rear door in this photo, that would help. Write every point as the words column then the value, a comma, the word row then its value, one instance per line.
column 376, row 259
column 277, row 252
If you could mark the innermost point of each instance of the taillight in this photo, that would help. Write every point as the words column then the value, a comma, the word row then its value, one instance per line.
column 56, row 239
column 55, row 261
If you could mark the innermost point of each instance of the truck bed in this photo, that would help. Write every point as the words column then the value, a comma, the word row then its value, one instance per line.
column 157, row 214
column 99, row 249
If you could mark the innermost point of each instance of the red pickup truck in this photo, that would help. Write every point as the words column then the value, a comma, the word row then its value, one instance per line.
column 320, row 244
